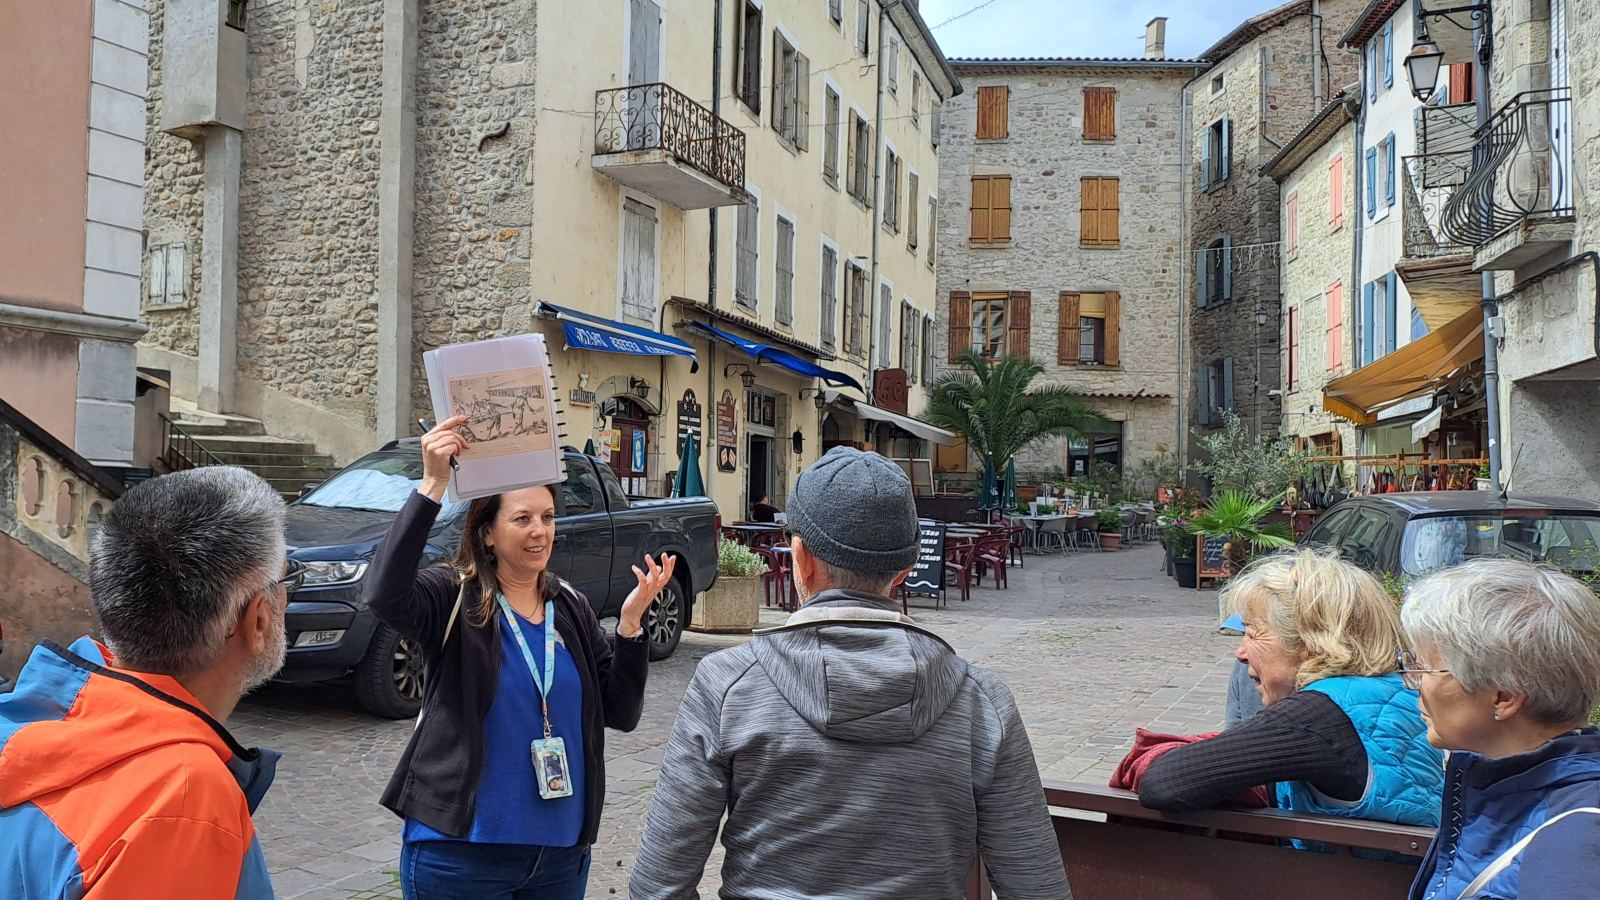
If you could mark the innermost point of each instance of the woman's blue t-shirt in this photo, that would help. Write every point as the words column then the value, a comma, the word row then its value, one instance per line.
column 509, row 809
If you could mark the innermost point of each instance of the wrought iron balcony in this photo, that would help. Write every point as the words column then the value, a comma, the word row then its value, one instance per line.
column 1519, row 171
column 654, row 138
column 1431, row 179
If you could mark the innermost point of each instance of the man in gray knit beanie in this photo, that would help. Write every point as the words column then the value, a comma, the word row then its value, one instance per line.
column 871, row 759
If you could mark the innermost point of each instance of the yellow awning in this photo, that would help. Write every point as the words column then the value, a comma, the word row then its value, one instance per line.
column 1410, row 371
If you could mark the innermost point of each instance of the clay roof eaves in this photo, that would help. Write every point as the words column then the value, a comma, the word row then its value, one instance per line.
column 1253, row 27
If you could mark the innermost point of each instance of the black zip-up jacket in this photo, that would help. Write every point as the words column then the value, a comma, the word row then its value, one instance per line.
column 437, row 779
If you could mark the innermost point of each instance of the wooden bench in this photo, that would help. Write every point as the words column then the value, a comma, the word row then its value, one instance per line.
column 1115, row 849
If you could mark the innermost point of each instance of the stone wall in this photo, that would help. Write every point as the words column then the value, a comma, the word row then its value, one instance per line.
column 174, row 202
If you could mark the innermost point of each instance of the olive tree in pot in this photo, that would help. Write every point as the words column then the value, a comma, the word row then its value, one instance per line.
column 1110, row 524
column 733, row 604
column 1239, row 518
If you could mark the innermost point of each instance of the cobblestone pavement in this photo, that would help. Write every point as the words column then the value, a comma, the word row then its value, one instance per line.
column 1092, row 644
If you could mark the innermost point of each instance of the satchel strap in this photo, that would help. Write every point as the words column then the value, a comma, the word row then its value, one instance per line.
column 1504, row 860
column 450, row 626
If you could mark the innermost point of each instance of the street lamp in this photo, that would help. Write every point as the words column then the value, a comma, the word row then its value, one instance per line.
column 1422, row 67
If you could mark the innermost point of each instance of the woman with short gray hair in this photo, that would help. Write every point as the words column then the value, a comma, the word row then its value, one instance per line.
column 1507, row 663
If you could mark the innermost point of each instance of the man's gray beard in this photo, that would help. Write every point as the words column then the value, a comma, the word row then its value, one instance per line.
column 271, row 660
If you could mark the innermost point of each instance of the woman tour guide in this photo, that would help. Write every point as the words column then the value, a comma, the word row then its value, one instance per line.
column 502, row 784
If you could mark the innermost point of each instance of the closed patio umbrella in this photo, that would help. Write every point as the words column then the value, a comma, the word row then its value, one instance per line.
column 989, row 491
column 1008, row 491
column 688, row 482
column 588, row 447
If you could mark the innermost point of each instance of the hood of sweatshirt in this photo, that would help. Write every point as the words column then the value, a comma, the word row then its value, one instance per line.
column 72, row 716
column 856, row 669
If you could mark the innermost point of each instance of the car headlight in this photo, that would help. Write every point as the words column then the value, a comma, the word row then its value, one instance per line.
column 327, row 574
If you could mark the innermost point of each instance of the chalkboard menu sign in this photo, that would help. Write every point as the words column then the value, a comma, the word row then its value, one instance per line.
column 927, row 577
column 1210, row 561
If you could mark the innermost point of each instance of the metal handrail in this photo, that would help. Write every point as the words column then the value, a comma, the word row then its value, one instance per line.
column 1521, row 168
column 659, row 117
column 1430, row 181
column 180, row 450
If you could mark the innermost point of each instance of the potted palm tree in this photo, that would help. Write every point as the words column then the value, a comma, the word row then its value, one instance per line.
column 1240, row 519
column 1109, row 521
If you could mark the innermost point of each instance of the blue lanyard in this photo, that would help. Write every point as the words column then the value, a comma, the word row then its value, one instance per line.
column 549, row 679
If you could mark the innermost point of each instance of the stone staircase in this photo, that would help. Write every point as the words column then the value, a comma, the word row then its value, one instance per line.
column 238, row 441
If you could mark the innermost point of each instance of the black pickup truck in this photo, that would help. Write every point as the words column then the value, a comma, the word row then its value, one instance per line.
column 601, row 533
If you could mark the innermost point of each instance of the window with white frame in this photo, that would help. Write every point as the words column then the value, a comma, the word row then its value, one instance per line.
column 927, row 349
column 836, row 11
column 916, row 99
column 747, row 251
column 910, row 330
column 863, row 26
column 169, row 276
column 893, row 63
column 791, row 79
column 783, row 272
column 747, row 57
column 911, row 211
column 830, row 136
column 891, row 189
column 857, row 182
column 856, row 310
column 828, row 280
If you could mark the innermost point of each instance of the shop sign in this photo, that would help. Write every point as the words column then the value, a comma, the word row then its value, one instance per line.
column 689, row 420
column 638, row 451
column 889, row 390
column 727, row 433
column 582, row 398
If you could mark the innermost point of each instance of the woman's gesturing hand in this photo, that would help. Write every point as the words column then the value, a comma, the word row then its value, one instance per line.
column 640, row 598
column 439, row 446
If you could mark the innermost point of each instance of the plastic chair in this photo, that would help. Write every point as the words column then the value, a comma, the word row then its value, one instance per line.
column 1053, row 533
column 958, row 560
column 991, row 553
column 1014, row 549
column 777, row 581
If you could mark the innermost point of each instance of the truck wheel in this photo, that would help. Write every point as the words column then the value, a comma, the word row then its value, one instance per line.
column 665, row 620
column 389, row 678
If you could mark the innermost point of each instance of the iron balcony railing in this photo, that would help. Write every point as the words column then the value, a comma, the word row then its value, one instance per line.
column 1431, row 179
column 658, row 117
column 1520, row 168
column 179, row 449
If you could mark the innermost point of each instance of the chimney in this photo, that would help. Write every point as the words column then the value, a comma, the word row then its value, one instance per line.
column 1155, row 38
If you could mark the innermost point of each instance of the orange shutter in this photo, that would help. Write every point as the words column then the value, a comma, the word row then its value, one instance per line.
column 1089, row 211
column 1110, row 222
column 1113, row 328
column 1067, row 330
column 1098, row 217
column 1099, row 114
column 960, row 323
column 1019, row 325
column 1000, row 209
column 992, row 112
column 981, row 191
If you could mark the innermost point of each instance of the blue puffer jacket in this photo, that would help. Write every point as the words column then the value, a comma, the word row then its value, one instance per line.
column 1490, row 804
column 1405, row 772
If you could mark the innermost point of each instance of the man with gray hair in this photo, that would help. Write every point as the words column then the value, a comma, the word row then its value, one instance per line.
column 854, row 754
column 117, row 778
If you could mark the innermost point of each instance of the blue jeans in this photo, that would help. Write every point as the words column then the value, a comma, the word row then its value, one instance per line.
column 460, row 870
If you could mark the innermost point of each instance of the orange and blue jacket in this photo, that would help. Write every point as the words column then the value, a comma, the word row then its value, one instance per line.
column 118, row 785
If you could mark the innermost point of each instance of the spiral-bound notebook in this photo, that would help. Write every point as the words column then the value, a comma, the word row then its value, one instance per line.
column 507, row 392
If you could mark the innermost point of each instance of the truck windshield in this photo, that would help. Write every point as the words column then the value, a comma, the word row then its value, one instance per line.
column 1567, row 541
column 380, row 483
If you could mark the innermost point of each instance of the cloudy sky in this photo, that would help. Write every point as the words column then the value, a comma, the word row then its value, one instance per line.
column 1011, row 28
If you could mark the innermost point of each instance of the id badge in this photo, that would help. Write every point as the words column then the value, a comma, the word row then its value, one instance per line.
column 550, row 764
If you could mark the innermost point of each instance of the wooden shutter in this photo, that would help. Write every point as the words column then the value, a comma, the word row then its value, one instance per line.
column 871, row 154
column 1227, row 267
column 1019, row 323
column 802, row 101
column 912, row 186
column 1067, row 330
column 1205, row 160
column 1113, row 328
column 780, row 84
column 1335, row 326
column 1202, row 292
column 960, row 324
column 1099, row 114
column 1089, row 211
column 850, row 154
column 1227, row 383
column 1000, row 209
column 1203, row 386
column 1291, row 227
column 992, row 122
column 1225, row 168
column 981, row 189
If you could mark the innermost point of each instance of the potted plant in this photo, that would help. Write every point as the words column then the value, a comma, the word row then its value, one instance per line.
column 733, row 604
column 1240, row 519
column 1483, row 482
column 1045, row 508
column 1109, row 522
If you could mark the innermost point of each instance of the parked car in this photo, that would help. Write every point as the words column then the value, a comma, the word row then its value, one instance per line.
column 1410, row 534
column 335, row 527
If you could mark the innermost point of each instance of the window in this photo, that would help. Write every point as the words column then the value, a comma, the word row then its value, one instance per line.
column 909, row 326
column 1216, row 152
column 1388, row 169
column 1336, row 191
column 893, row 63
column 1372, row 69
column 747, row 251
column 1386, row 51
column 791, row 80
column 1089, row 330
column 1419, row 328
column 1213, row 268
column 1378, row 318
column 783, row 289
column 989, row 324
column 1291, row 226
column 639, row 280
column 828, row 277
column 991, row 209
column 1372, row 182
column 1334, row 317
column 830, row 136
column 891, row 190
column 861, row 147
column 856, row 315
column 934, row 123
column 836, row 11
column 1215, row 383
column 1098, row 213
column 1099, row 114
column 911, row 211
column 1216, row 84
column 1460, row 83
column 863, row 26
column 992, row 100
column 933, row 226
column 927, row 349
column 916, row 99
column 1293, row 326
column 169, row 276
column 747, row 73
column 885, row 325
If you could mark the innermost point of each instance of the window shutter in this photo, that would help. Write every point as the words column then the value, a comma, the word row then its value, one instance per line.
column 1227, row 148
column 935, row 122
column 1110, row 211
column 1067, row 330
column 1389, row 145
column 871, row 148
column 1099, row 113
column 780, row 81
column 177, row 273
column 836, row 10
column 850, row 156
column 1205, row 161
column 1089, row 210
column 1291, row 227
column 1372, row 70
column 1388, row 53
column 1392, row 312
column 992, row 111
column 1372, row 182
column 158, row 275
column 1019, row 323
column 802, row 101
column 1227, row 382
column 1201, row 294
column 1227, row 267
column 1334, row 316
column 911, row 209
column 960, row 324
column 981, row 189
column 1113, row 328
column 1336, row 191
column 1000, row 209
column 933, row 226
column 1203, row 383
column 1364, row 325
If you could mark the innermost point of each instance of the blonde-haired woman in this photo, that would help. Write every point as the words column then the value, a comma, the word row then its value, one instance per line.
column 1341, row 734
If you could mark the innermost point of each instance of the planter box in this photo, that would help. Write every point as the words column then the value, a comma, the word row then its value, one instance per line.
column 1184, row 571
column 1110, row 540
column 732, row 606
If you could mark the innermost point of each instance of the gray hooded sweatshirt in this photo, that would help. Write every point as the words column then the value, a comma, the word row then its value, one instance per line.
column 856, row 757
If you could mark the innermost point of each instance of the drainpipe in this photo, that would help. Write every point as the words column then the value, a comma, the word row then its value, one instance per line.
column 877, row 175
column 1360, row 227
column 1491, row 345
column 1316, row 55
column 1184, row 258
column 710, row 406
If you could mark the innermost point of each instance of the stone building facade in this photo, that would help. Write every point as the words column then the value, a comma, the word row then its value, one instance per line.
column 1269, row 77
column 1082, row 267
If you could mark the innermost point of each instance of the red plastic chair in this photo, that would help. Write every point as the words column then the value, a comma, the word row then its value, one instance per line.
column 777, row 581
column 959, row 556
column 992, row 552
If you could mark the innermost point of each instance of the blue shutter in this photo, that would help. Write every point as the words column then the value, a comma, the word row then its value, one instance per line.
column 1205, row 160
column 1372, row 70
column 1389, row 146
column 1226, row 168
column 1418, row 327
column 1388, row 53
column 1365, row 325
column 1201, row 294
column 1227, row 383
column 1372, row 181
column 1391, row 313
column 1203, row 382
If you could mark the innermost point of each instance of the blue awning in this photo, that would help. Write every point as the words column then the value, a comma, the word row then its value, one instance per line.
column 586, row 332
column 780, row 358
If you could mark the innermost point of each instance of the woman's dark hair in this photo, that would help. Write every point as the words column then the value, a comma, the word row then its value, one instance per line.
column 475, row 561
